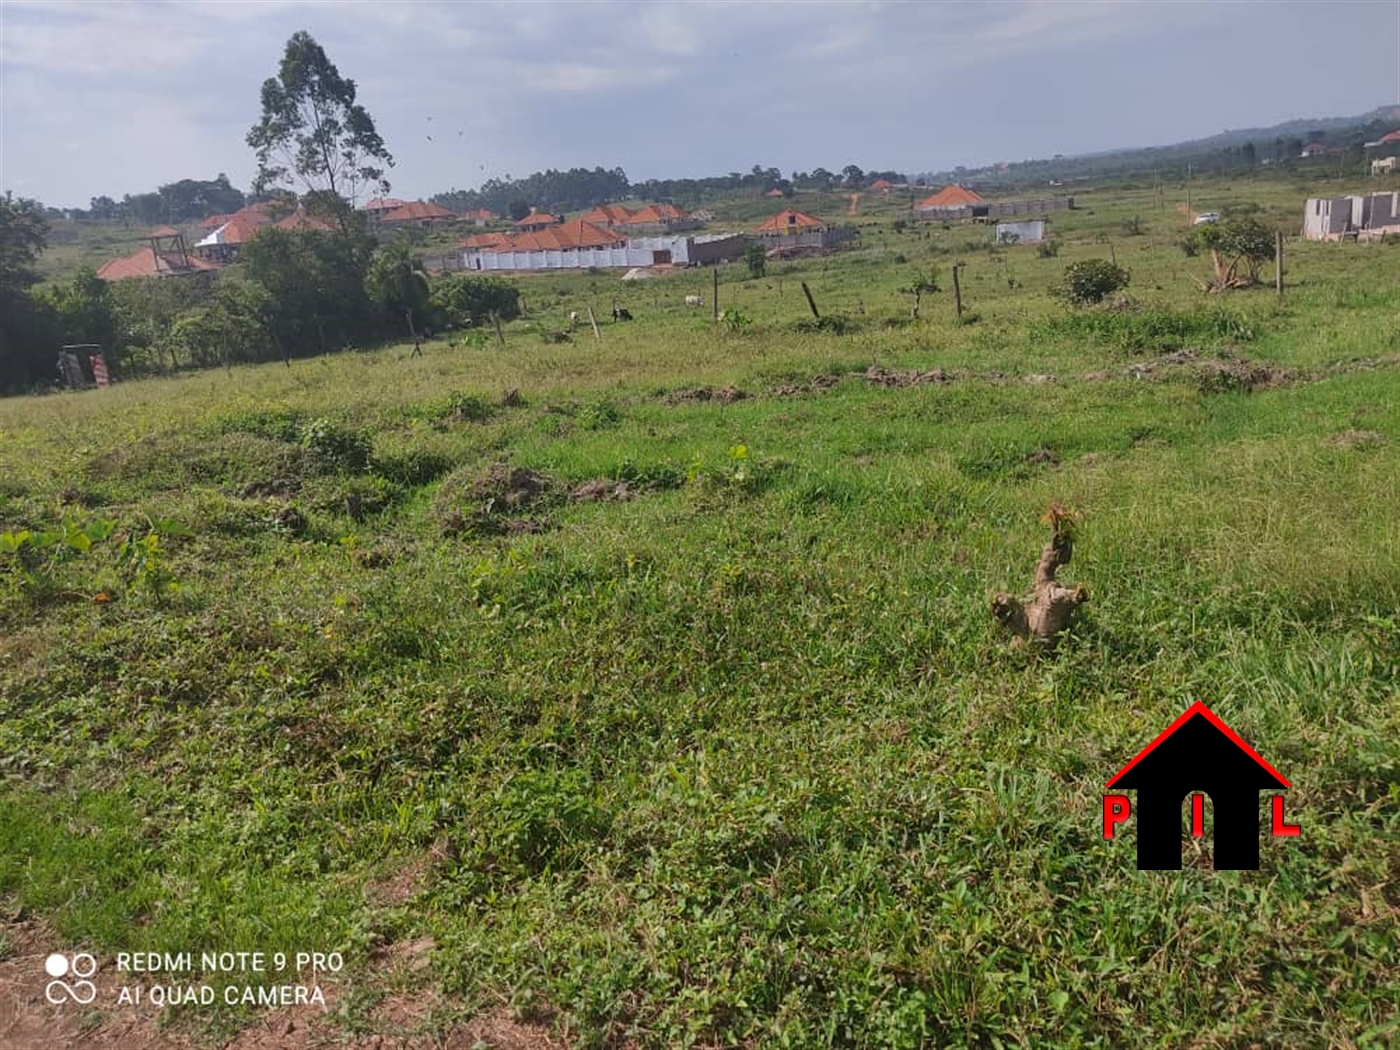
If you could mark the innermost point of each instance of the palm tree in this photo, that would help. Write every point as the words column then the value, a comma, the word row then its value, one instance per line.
column 397, row 284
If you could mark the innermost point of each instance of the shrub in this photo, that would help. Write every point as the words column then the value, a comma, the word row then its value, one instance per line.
column 1090, row 281
column 469, row 299
column 335, row 447
column 756, row 259
column 1048, row 249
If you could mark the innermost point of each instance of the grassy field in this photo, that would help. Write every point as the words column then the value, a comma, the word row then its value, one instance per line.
column 677, row 717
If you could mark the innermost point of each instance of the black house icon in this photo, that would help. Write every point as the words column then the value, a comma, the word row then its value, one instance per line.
column 1198, row 752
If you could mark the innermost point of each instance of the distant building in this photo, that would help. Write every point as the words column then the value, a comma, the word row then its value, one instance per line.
column 301, row 220
column 164, row 256
column 479, row 216
column 795, row 229
column 222, row 245
column 579, row 244
column 1029, row 231
column 950, row 198
column 607, row 215
column 1314, row 149
column 790, row 221
column 1363, row 218
column 377, row 205
column 1383, row 165
column 959, row 202
column 538, row 220
column 416, row 213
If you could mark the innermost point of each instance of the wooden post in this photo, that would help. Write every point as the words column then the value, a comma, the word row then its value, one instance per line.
column 594, row 322
column 810, row 301
column 499, row 333
column 1278, row 263
column 714, row 297
column 957, row 289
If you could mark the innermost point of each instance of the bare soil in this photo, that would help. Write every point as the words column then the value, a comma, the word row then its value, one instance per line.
column 404, row 1021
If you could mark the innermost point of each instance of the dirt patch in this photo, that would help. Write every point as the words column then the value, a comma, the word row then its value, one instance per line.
column 28, row 1021
column 817, row 384
column 1213, row 375
column 603, row 490
column 1357, row 439
column 498, row 500
column 403, row 1021
column 724, row 395
column 1043, row 457
column 273, row 487
column 895, row 377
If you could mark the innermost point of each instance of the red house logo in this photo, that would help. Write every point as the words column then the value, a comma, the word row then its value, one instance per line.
column 1198, row 754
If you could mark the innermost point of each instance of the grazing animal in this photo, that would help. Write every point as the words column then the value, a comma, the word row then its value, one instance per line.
column 621, row 313
column 694, row 300
column 573, row 318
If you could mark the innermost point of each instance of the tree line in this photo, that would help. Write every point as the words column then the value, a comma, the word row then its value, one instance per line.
column 291, row 293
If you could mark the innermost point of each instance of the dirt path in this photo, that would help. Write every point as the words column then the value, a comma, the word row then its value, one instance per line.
column 855, row 198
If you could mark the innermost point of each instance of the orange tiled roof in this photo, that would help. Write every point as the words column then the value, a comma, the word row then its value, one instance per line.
column 300, row 220
column 882, row 184
column 486, row 240
column 417, row 211
column 790, row 220
column 574, row 234
column 535, row 219
column 657, row 213
column 608, row 215
column 1394, row 136
column 951, row 197
column 148, row 263
column 214, row 222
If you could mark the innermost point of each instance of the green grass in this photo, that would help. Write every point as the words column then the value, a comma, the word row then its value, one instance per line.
column 741, row 760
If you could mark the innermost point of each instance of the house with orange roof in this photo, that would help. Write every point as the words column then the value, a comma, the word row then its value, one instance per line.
column 479, row 216
column 959, row 202
column 379, row 205
column 950, row 198
column 790, row 221
column 662, row 216
column 537, row 220
column 302, row 220
column 242, row 226
column 791, row 229
column 608, row 215
column 164, row 256
column 486, row 240
column 881, row 186
column 416, row 213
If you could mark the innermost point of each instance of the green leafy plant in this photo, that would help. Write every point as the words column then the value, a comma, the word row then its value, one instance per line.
column 336, row 448
column 1090, row 281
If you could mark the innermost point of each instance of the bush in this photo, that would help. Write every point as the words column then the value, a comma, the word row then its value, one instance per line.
column 756, row 259
column 468, row 299
column 336, row 447
column 1048, row 249
column 1090, row 281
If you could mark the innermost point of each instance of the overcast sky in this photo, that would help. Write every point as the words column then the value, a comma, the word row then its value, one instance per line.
column 118, row 97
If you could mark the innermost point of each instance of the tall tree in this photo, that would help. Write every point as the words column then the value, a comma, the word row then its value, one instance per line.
column 313, row 128
column 26, row 346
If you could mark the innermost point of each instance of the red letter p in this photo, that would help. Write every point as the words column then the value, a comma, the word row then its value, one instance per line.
column 1116, row 809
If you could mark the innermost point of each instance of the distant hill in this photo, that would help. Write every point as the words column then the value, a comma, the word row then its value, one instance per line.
column 1239, row 150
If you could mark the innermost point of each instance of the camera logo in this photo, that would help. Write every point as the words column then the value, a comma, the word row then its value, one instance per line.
column 80, row 966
